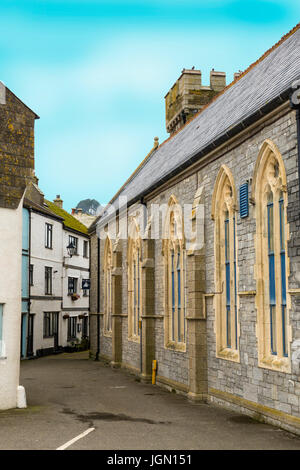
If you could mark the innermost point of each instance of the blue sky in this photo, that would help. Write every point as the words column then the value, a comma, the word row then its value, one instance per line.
column 97, row 71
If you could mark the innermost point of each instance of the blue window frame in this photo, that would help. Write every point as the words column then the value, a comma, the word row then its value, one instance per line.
column 173, row 294
column 179, row 295
column 227, row 271
column 272, row 287
column 235, row 285
column 134, row 297
column 283, row 277
column 138, row 288
column 1, row 330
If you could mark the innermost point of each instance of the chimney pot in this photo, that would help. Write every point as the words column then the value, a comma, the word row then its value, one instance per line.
column 58, row 201
column 156, row 142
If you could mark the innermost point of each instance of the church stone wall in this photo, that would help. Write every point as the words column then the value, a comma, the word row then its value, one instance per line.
column 243, row 383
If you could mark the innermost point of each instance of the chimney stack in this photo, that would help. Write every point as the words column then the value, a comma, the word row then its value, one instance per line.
column 58, row 201
column 217, row 80
column 188, row 96
column 73, row 211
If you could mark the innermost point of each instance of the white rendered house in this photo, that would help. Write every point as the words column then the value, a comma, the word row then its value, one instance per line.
column 57, row 316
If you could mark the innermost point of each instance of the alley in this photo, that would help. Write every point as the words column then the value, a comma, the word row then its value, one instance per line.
column 68, row 394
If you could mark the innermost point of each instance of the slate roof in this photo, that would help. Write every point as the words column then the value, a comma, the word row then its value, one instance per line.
column 271, row 76
column 69, row 221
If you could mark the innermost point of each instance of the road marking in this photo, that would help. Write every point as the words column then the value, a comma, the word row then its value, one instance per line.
column 69, row 443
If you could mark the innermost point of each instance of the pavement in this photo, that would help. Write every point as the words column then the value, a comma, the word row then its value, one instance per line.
column 70, row 396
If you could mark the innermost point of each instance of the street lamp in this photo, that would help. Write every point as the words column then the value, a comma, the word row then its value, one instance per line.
column 71, row 249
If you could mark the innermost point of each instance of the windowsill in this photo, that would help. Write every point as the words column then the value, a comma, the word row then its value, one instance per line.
column 49, row 247
column 134, row 339
column 108, row 334
column 229, row 355
column 178, row 347
column 280, row 364
column 48, row 293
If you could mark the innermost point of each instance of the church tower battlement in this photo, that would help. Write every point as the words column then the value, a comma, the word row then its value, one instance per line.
column 187, row 96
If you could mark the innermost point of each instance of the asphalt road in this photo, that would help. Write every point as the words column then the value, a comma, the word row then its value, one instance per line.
column 68, row 395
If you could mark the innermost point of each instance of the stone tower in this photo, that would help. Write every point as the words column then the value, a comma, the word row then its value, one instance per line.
column 187, row 96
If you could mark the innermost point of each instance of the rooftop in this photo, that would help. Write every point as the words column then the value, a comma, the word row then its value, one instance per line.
column 264, row 81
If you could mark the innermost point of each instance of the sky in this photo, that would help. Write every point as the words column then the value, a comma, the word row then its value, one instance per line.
column 97, row 71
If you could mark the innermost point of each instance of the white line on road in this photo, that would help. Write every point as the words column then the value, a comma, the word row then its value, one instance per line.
column 69, row 443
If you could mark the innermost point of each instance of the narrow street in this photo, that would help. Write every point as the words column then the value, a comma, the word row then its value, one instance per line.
column 68, row 394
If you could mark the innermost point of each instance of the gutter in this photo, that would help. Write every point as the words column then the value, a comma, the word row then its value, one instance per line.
column 196, row 156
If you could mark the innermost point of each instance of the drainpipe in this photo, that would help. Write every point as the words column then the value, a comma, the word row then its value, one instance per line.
column 29, row 286
column 298, row 143
column 295, row 104
column 98, row 300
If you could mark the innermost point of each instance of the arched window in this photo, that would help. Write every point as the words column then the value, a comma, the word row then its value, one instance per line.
column 226, row 269
column 134, row 282
column 270, row 197
column 108, row 286
column 175, row 277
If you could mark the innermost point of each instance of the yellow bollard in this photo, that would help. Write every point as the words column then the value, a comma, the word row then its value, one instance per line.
column 154, row 368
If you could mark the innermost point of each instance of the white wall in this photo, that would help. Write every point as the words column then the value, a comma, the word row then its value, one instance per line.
column 10, row 296
column 78, row 267
column 41, row 257
column 62, row 267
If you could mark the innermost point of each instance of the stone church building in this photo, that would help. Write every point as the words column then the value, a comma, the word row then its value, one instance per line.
column 195, row 263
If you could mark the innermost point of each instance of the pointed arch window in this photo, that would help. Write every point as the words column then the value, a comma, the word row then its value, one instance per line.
column 272, row 300
column 175, row 278
column 108, row 287
column 134, row 283
column 226, row 268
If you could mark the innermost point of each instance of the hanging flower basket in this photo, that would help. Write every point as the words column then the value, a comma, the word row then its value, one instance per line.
column 81, row 317
column 66, row 316
column 75, row 296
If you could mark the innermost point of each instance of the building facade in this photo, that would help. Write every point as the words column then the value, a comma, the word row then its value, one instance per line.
column 16, row 171
column 55, row 311
column 198, row 267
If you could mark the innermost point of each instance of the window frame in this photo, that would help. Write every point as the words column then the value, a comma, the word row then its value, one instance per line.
column 273, row 328
column 107, row 288
column 85, row 249
column 174, row 253
column 48, row 280
column 72, row 328
column 72, row 285
column 48, row 236
column 134, row 260
column 226, row 298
